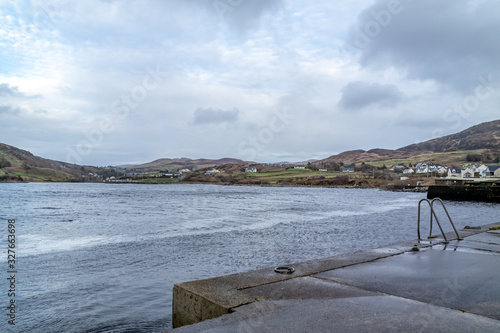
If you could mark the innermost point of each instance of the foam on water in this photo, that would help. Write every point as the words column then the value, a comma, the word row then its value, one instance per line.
column 39, row 245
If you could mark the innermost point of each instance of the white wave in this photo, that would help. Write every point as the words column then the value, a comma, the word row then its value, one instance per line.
column 30, row 245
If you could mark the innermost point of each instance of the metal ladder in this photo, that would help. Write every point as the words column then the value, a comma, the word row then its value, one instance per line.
column 433, row 214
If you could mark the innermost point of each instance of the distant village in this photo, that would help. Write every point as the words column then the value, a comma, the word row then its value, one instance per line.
column 138, row 176
column 400, row 172
column 467, row 171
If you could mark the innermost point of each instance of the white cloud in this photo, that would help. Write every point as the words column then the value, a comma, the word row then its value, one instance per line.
column 83, row 59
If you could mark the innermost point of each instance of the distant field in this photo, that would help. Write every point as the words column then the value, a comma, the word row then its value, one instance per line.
column 33, row 178
column 273, row 177
column 451, row 158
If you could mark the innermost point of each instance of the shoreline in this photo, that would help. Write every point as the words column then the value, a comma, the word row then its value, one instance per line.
column 423, row 189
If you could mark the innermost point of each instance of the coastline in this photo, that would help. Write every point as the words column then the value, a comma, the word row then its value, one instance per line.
column 384, row 188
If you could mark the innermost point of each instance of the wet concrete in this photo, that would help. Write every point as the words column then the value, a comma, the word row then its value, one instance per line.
column 443, row 287
column 451, row 276
column 362, row 314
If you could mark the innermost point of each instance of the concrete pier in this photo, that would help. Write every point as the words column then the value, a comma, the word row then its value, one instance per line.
column 441, row 287
column 487, row 191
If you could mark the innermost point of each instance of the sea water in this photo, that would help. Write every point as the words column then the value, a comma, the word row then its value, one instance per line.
column 104, row 257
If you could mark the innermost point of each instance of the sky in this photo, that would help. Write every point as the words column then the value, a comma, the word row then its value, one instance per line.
column 119, row 82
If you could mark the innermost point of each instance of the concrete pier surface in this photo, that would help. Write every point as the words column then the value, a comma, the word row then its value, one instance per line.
column 453, row 287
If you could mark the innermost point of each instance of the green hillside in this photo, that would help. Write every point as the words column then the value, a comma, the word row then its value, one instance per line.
column 21, row 165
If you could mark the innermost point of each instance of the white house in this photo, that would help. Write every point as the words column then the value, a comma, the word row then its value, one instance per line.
column 467, row 173
column 212, row 172
column 251, row 170
column 497, row 172
column 454, row 173
column 480, row 169
column 442, row 169
column 422, row 168
column 408, row 171
column 493, row 171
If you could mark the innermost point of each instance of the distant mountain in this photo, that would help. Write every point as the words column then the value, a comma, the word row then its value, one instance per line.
column 481, row 141
column 482, row 136
column 354, row 156
column 184, row 163
column 305, row 162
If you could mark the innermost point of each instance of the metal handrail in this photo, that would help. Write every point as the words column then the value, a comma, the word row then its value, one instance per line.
column 448, row 214
column 432, row 213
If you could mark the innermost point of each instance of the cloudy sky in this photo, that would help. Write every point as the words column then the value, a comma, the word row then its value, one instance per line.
column 112, row 82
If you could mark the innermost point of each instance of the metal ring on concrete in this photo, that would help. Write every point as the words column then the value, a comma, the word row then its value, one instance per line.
column 284, row 269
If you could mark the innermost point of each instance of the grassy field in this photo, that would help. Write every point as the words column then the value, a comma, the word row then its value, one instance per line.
column 274, row 177
column 456, row 158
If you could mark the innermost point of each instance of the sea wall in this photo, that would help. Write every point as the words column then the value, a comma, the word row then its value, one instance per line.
column 467, row 192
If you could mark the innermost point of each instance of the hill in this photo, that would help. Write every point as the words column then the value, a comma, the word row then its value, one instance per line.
column 480, row 143
column 482, row 136
column 184, row 163
column 359, row 155
column 21, row 165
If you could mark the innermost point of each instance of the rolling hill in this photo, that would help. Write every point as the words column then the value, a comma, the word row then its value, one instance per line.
column 184, row 163
column 21, row 165
column 477, row 143
column 482, row 136
column 480, row 143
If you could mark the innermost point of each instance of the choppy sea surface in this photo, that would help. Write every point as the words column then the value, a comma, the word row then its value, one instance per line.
column 112, row 268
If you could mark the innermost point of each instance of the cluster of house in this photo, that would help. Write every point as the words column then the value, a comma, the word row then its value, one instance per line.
column 133, row 176
column 420, row 168
column 475, row 171
column 468, row 171
column 171, row 173
column 277, row 165
column 213, row 172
